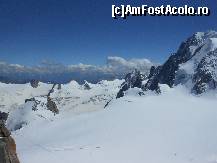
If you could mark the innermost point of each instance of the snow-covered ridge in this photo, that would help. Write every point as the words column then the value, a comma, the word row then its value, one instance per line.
column 208, row 46
column 72, row 97
column 13, row 95
column 193, row 65
column 201, row 58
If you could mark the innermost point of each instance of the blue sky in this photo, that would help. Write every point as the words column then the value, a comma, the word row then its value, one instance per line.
column 71, row 32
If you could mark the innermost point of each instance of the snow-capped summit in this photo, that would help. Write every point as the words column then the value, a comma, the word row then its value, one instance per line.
column 194, row 65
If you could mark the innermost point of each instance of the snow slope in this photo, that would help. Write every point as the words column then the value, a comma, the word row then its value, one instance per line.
column 208, row 46
column 71, row 98
column 174, row 127
column 205, row 44
column 13, row 95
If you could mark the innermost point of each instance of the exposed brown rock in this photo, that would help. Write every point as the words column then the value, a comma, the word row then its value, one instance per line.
column 7, row 146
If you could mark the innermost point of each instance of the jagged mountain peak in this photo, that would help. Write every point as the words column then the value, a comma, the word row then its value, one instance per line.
column 190, row 47
column 133, row 79
column 204, row 35
column 190, row 65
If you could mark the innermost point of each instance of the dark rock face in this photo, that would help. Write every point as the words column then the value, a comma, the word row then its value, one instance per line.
column 3, row 116
column 189, row 51
column 152, row 72
column 51, row 105
column 34, row 83
column 168, row 71
column 132, row 80
column 7, row 146
column 153, row 81
column 122, row 90
column 59, row 86
column 205, row 76
column 165, row 74
column 52, row 90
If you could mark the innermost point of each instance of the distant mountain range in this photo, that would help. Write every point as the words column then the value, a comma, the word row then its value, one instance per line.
column 116, row 68
column 193, row 65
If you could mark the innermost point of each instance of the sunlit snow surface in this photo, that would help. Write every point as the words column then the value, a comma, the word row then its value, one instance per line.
column 174, row 127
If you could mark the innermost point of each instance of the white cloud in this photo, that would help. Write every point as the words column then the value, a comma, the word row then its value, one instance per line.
column 116, row 67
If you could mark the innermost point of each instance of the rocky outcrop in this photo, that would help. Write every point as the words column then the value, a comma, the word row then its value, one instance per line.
column 59, row 86
column 3, row 116
column 189, row 66
column 34, row 83
column 51, row 105
column 153, row 81
column 52, row 90
column 86, row 85
column 30, row 99
column 34, row 103
column 7, row 146
column 133, row 79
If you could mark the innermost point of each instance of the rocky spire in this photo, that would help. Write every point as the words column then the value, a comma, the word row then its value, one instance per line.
column 133, row 79
column 34, row 83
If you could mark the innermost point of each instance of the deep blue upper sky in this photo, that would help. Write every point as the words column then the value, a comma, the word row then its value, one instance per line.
column 70, row 32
